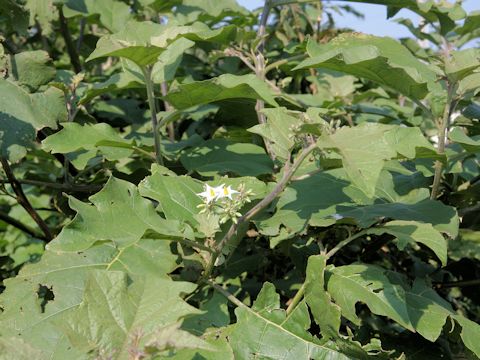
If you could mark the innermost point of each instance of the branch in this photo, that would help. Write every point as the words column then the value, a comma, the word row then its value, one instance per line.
column 19, row 225
column 225, row 293
column 71, row 49
column 23, row 201
column 462, row 283
column 58, row 186
column 168, row 107
column 289, row 171
column 442, row 133
column 147, row 74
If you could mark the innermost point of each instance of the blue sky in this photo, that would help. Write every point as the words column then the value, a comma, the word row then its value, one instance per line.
column 375, row 21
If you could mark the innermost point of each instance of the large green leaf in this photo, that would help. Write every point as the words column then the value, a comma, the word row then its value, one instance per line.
column 382, row 60
column 113, row 14
column 442, row 217
column 408, row 232
column 31, row 69
column 82, row 142
column 36, row 318
column 219, row 156
column 417, row 308
column 325, row 312
column 117, row 213
column 22, row 114
column 321, row 198
column 265, row 331
column 226, row 86
column 143, row 42
column 115, row 311
column 14, row 17
column 364, row 158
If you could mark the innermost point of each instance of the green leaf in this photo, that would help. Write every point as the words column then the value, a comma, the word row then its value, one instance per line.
column 116, row 82
column 114, row 311
column 278, row 129
column 442, row 217
column 322, row 198
column 219, row 156
column 74, row 137
column 265, row 330
column 31, row 69
column 177, row 195
column 22, row 114
column 468, row 143
column 408, row 232
column 14, row 17
column 36, row 320
column 143, row 42
column 21, row 349
column 416, row 308
column 444, row 13
column 226, row 86
column 113, row 14
column 462, row 63
column 169, row 61
column 325, row 312
column 382, row 60
column 43, row 11
column 118, row 213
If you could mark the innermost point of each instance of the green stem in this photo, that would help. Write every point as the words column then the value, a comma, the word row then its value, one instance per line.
column 225, row 293
column 281, row 62
column 345, row 242
column 147, row 74
column 296, row 299
column 442, row 133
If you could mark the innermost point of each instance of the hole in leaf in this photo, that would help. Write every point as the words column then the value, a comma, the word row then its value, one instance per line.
column 45, row 294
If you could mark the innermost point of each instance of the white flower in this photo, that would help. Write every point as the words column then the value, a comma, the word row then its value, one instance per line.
column 223, row 192
column 209, row 193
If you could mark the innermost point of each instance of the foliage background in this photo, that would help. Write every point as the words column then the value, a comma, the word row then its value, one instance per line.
column 355, row 229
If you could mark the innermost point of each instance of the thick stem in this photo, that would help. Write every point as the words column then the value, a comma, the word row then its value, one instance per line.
column 443, row 124
column 147, row 74
column 168, row 107
column 461, row 283
column 71, row 49
column 289, row 171
column 23, row 201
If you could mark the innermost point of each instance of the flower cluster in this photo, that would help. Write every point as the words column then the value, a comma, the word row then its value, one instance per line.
column 215, row 193
column 224, row 201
